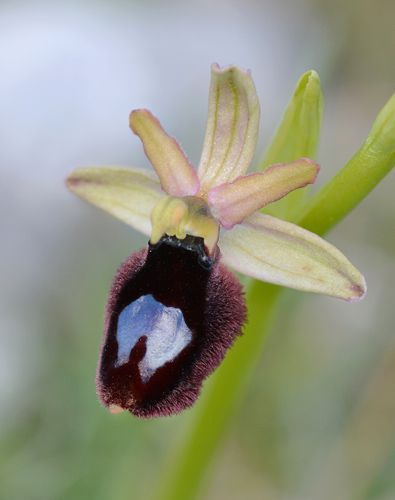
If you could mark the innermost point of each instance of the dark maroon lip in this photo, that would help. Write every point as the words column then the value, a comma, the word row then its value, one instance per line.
column 177, row 274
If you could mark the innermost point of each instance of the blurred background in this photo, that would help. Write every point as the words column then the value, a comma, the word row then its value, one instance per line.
column 318, row 421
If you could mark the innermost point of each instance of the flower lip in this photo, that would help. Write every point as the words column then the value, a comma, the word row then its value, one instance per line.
column 210, row 300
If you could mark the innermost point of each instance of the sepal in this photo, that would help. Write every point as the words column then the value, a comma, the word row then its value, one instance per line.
column 232, row 127
column 126, row 193
column 272, row 250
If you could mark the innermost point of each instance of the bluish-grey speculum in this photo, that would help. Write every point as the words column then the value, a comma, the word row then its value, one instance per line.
column 165, row 329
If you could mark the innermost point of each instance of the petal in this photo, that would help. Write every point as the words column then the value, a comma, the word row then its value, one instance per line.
column 177, row 176
column 232, row 202
column 232, row 127
column 127, row 193
column 282, row 253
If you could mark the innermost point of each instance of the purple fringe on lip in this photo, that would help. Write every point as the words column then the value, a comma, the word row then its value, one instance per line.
column 213, row 307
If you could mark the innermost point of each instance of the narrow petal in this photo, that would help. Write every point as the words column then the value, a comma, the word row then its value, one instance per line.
column 232, row 202
column 232, row 127
column 282, row 253
column 126, row 193
column 177, row 176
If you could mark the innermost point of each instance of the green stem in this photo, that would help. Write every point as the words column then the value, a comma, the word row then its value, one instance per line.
column 185, row 473
column 345, row 191
column 357, row 179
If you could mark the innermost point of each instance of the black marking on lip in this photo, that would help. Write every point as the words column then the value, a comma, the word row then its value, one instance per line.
column 193, row 244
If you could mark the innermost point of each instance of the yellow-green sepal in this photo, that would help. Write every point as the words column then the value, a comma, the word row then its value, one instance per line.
column 279, row 252
column 126, row 193
column 232, row 127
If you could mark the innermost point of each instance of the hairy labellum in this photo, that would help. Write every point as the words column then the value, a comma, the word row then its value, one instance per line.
column 171, row 315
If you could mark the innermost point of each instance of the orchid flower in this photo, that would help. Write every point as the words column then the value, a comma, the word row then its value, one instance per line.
column 174, row 308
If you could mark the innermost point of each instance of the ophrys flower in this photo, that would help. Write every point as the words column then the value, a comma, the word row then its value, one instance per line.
column 174, row 308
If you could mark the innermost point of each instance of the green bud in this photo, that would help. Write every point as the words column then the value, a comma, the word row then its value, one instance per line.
column 297, row 136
